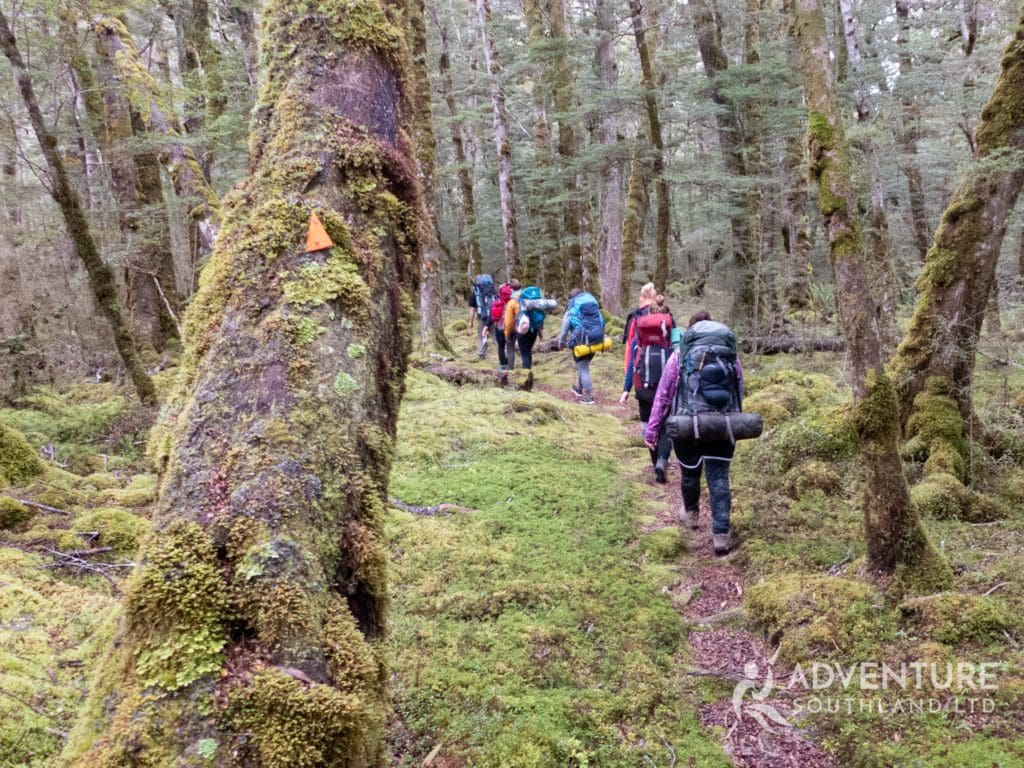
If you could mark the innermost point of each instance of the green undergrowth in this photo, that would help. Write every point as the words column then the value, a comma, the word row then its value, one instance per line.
column 532, row 631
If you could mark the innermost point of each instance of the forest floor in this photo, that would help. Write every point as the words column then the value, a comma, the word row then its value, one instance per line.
column 565, row 620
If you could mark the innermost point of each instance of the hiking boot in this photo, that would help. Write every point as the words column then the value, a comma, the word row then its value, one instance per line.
column 588, row 400
column 576, row 391
column 660, row 475
column 722, row 542
column 689, row 518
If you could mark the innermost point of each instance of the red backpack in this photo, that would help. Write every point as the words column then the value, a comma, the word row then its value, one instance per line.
column 653, row 339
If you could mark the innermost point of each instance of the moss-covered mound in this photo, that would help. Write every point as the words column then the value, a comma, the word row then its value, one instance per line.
column 815, row 616
column 117, row 528
column 13, row 514
column 943, row 497
column 955, row 618
column 19, row 463
column 812, row 476
column 936, row 431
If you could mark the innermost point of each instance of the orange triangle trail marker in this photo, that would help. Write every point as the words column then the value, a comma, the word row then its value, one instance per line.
column 317, row 238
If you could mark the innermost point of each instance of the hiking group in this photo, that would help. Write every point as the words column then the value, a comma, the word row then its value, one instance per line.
column 688, row 383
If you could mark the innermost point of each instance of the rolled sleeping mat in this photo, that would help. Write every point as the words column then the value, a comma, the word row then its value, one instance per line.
column 544, row 305
column 713, row 427
column 582, row 350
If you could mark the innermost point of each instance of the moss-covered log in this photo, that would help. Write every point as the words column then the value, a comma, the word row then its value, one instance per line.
column 101, row 279
column 252, row 629
column 896, row 541
column 956, row 282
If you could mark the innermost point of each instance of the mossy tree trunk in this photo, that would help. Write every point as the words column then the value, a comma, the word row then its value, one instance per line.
column 241, row 14
column 734, row 142
column 149, row 263
column 956, row 282
column 101, row 279
column 896, row 541
column 470, row 258
column 882, row 263
column 432, row 334
column 252, row 628
column 654, row 132
column 909, row 132
column 796, row 236
column 199, row 63
column 144, row 96
column 544, row 250
column 633, row 227
column 609, row 260
column 502, row 142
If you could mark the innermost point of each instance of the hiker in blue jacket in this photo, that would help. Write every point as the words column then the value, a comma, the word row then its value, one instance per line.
column 582, row 324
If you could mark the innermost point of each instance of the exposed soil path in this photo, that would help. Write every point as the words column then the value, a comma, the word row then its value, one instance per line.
column 708, row 596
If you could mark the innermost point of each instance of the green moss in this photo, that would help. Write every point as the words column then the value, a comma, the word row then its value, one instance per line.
column 177, row 604
column 664, row 545
column 13, row 514
column 819, row 616
column 812, row 476
column 355, row 351
column 19, row 463
column 955, row 618
column 118, row 528
column 940, row 496
column 936, row 426
column 827, row 435
column 345, row 384
column 336, row 279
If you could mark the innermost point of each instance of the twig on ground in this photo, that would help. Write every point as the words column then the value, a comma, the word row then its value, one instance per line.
column 997, row 587
column 431, row 511
column 43, row 507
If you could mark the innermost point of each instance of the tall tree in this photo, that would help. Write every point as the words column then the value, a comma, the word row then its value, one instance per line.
column 895, row 539
column 609, row 260
column 633, row 227
column 252, row 627
column 882, row 268
column 909, row 131
column 431, row 316
column 502, row 142
column 650, row 83
column 101, row 279
column 956, row 282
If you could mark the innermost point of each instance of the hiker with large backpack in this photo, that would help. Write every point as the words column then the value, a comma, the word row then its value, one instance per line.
column 524, row 322
column 648, row 338
column 699, row 399
column 481, row 298
column 583, row 331
column 498, row 323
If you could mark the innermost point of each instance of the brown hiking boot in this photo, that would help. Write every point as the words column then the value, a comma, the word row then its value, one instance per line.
column 722, row 542
column 689, row 519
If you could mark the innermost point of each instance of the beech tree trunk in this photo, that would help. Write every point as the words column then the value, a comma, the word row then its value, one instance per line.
column 252, row 628
column 432, row 334
column 909, row 132
column 796, row 237
column 144, row 96
column 956, row 282
column 502, row 142
column 609, row 261
column 633, row 227
column 896, row 542
column 101, row 279
column 650, row 83
column 884, row 285
column 470, row 259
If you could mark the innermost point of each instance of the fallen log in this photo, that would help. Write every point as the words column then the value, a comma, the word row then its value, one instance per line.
column 463, row 374
column 774, row 345
column 431, row 511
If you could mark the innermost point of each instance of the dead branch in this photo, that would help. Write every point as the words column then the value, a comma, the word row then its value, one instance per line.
column 432, row 511
column 464, row 374
column 774, row 345
column 37, row 505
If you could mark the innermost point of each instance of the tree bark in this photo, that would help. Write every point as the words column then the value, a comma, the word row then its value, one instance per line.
column 115, row 43
column 796, row 237
column 896, row 542
column 242, row 15
column 502, row 142
column 432, row 335
column 650, row 84
column 884, row 285
column 610, row 239
column 101, row 279
column 253, row 627
column 470, row 259
column 909, row 132
column 956, row 282
column 633, row 227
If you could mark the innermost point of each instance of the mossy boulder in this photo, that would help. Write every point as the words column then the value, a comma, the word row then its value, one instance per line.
column 101, row 481
column 775, row 404
column 815, row 616
column 19, row 462
column 117, row 528
column 13, row 514
column 941, row 496
column 812, row 476
column 826, row 435
column 955, row 618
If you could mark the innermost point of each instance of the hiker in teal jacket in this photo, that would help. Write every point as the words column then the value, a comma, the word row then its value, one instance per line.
column 582, row 324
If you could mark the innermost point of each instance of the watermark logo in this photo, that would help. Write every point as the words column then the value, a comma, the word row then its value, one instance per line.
column 960, row 688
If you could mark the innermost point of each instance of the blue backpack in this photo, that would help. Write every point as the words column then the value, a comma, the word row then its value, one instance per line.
column 536, row 316
column 485, row 295
column 586, row 320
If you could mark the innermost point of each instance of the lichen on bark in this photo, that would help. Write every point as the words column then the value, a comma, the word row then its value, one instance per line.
column 253, row 625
